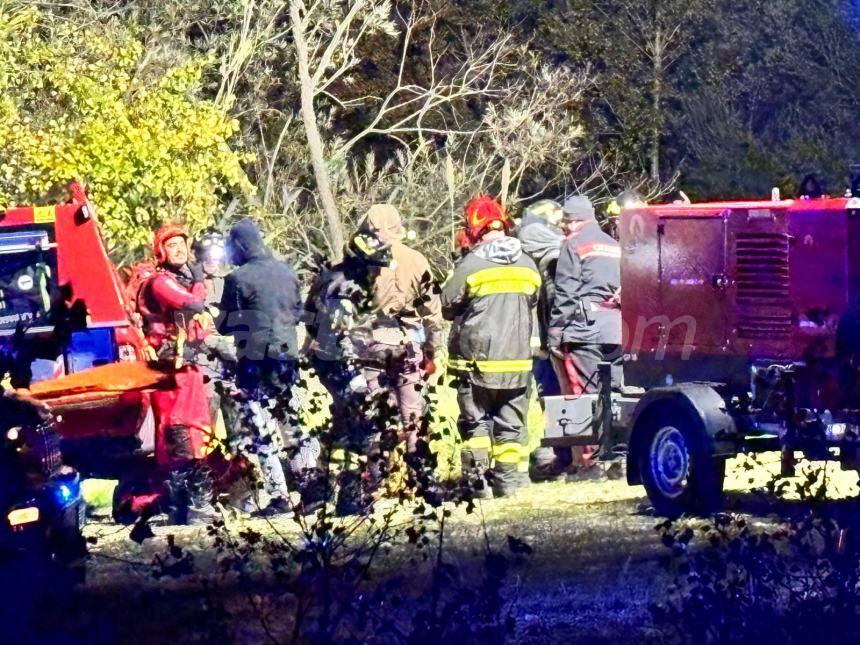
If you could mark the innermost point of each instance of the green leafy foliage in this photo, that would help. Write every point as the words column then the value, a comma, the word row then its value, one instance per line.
column 87, row 103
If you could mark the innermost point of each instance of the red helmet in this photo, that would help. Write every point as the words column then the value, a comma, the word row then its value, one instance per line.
column 484, row 214
column 163, row 234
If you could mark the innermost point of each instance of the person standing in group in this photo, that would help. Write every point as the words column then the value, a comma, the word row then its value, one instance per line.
column 541, row 235
column 585, row 322
column 491, row 297
column 172, row 307
column 218, row 351
column 260, row 309
column 340, row 311
column 406, row 331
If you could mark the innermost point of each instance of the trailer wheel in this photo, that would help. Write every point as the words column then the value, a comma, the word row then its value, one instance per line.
column 679, row 473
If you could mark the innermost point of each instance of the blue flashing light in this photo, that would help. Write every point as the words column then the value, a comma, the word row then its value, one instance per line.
column 67, row 492
column 64, row 493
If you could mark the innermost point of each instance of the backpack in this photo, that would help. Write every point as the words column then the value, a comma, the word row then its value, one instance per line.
column 137, row 279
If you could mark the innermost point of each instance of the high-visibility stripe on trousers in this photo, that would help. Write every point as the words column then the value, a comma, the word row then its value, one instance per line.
column 511, row 453
column 490, row 367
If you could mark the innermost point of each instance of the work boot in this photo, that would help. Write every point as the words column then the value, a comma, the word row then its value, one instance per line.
column 506, row 480
column 200, row 510
column 351, row 497
column 178, row 497
column 315, row 489
column 475, row 464
column 545, row 466
column 278, row 506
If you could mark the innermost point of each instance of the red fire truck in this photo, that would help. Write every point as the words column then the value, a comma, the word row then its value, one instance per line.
column 53, row 265
column 741, row 333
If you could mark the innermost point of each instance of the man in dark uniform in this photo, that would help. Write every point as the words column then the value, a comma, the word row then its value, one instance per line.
column 585, row 321
column 260, row 308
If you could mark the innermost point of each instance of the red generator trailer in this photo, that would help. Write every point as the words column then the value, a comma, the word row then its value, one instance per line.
column 63, row 312
column 741, row 334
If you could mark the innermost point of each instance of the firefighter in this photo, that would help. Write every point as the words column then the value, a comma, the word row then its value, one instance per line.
column 407, row 328
column 340, row 310
column 174, row 312
column 210, row 254
column 260, row 309
column 585, row 321
column 542, row 236
column 491, row 297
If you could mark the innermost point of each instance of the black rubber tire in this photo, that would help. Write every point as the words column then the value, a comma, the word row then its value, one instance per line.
column 695, row 486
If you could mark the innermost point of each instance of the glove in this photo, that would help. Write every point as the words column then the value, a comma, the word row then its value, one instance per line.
column 197, row 273
column 553, row 338
column 204, row 319
column 357, row 384
column 428, row 364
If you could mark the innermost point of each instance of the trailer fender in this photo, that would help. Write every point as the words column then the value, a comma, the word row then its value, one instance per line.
column 701, row 403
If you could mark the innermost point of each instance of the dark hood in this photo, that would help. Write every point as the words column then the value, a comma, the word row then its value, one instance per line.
column 540, row 239
column 245, row 242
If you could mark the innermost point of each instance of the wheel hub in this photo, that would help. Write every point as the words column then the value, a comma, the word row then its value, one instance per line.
column 670, row 461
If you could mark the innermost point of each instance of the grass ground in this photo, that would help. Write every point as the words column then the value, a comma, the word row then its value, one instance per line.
column 596, row 566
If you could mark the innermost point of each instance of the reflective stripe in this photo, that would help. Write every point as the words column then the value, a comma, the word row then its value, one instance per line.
column 477, row 443
column 503, row 280
column 523, row 466
column 510, row 453
column 598, row 249
column 491, row 367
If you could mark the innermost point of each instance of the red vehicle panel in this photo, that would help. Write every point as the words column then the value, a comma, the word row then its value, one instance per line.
column 732, row 283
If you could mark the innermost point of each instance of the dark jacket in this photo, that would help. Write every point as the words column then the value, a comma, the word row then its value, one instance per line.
column 340, row 311
column 542, row 242
column 261, row 305
column 586, row 307
column 491, row 297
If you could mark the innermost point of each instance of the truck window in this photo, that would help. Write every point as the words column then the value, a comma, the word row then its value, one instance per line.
column 28, row 280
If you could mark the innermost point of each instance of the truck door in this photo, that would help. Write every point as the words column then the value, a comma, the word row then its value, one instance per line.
column 693, row 283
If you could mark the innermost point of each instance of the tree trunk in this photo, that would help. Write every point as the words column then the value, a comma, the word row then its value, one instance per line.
column 657, row 105
column 312, row 132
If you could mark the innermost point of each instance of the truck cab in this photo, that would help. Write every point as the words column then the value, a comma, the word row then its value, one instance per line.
column 63, row 310
column 53, row 259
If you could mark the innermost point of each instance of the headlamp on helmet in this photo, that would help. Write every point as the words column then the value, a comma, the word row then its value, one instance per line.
column 371, row 249
column 211, row 246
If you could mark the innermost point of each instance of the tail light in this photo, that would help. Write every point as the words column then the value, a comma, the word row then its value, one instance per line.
column 21, row 516
column 127, row 353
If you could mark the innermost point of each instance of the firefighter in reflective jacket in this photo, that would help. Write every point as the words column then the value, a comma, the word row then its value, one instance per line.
column 491, row 297
column 585, row 321
column 173, row 309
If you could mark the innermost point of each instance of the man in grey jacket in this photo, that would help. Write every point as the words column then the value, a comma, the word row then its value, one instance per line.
column 542, row 236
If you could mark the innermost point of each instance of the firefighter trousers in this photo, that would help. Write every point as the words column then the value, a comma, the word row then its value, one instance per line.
column 492, row 426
